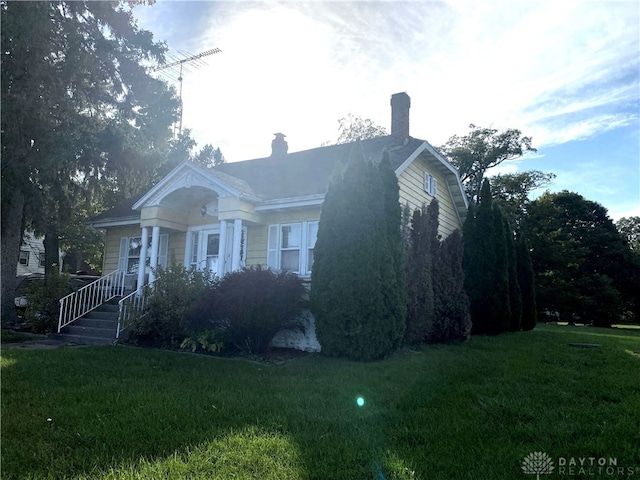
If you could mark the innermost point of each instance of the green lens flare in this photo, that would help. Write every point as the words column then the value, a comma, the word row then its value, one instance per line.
column 360, row 401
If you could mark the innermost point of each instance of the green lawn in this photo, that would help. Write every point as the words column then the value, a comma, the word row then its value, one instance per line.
column 471, row 411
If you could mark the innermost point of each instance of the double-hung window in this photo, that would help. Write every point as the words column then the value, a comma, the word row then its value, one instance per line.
column 290, row 247
column 430, row 184
column 130, row 249
column 24, row 257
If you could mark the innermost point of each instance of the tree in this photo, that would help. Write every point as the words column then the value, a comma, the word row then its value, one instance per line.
column 423, row 245
column 79, row 111
column 630, row 228
column 352, row 128
column 526, row 281
column 511, row 191
column 209, row 156
column 486, row 266
column 451, row 318
column 182, row 148
column 515, row 293
column 481, row 149
column 582, row 264
column 355, row 275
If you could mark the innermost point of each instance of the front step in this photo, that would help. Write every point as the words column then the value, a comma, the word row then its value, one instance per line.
column 97, row 327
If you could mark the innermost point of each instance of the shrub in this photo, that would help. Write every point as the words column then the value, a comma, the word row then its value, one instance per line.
column 451, row 319
column 423, row 245
column 208, row 340
column 358, row 292
column 43, row 300
column 163, row 323
column 251, row 306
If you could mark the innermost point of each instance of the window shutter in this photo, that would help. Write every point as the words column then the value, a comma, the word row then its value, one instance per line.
column 163, row 250
column 434, row 186
column 124, row 251
column 272, row 248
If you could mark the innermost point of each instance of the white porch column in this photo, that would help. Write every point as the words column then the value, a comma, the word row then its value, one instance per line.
column 155, row 245
column 142, row 266
column 237, row 239
column 222, row 248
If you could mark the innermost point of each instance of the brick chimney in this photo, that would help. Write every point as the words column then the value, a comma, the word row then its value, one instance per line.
column 279, row 145
column 400, row 104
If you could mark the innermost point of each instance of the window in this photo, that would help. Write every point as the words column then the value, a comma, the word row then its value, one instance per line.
column 193, row 258
column 130, row 248
column 41, row 260
column 430, row 184
column 290, row 247
column 23, row 259
column 312, row 236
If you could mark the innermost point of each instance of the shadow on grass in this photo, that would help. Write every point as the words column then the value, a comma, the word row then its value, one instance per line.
column 123, row 413
column 466, row 411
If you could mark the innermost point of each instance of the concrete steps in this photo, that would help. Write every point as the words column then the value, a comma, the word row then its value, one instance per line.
column 97, row 327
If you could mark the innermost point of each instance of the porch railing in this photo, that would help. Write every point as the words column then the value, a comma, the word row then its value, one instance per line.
column 131, row 305
column 90, row 297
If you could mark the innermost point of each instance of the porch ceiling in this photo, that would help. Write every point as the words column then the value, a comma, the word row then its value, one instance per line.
column 189, row 200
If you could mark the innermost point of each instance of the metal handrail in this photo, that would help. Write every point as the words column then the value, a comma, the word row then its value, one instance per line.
column 90, row 297
column 129, row 305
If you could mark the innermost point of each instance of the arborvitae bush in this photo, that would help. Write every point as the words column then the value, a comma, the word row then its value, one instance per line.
column 515, row 295
column 395, row 288
column 527, row 284
column 250, row 306
column 486, row 266
column 423, row 245
column 357, row 293
column 451, row 318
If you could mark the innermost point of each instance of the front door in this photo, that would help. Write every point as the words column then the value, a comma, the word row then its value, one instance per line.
column 209, row 255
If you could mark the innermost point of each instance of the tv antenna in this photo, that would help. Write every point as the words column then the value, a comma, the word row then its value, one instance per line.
column 181, row 62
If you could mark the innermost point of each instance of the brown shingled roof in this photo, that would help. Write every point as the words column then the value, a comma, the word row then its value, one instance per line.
column 292, row 175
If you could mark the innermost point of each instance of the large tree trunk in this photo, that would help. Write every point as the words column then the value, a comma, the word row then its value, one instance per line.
column 12, row 213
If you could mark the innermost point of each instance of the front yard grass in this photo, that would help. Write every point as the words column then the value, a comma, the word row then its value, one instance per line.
column 442, row 412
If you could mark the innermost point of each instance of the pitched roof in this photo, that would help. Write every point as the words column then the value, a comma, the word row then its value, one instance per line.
column 122, row 212
column 293, row 175
column 308, row 172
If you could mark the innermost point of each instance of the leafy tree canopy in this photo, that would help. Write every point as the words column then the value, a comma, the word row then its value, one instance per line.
column 352, row 128
column 629, row 227
column 581, row 262
column 80, row 115
column 512, row 191
column 481, row 149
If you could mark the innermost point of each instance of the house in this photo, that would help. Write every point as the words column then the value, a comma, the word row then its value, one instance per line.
column 264, row 211
column 31, row 256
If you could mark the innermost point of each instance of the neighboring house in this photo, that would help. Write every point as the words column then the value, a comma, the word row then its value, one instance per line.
column 31, row 256
column 264, row 211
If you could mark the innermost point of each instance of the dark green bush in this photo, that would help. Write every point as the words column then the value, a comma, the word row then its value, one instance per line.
column 164, row 321
column 358, row 294
column 451, row 319
column 250, row 306
column 43, row 299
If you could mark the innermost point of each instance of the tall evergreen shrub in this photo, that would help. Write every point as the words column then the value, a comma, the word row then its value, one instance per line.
column 527, row 284
column 515, row 294
column 486, row 266
column 423, row 245
column 451, row 318
column 355, row 278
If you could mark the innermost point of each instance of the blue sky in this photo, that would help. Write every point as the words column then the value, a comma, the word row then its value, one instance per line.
column 566, row 73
